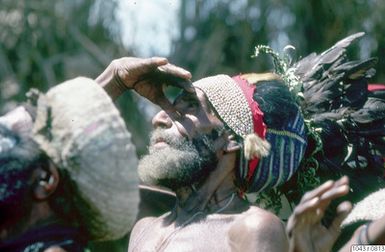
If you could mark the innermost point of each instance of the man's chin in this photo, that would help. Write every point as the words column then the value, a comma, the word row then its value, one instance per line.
column 168, row 167
column 162, row 180
column 165, row 183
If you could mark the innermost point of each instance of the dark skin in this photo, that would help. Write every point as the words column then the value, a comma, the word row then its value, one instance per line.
column 138, row 74
column 189, row 115
column 215, row 196
column 304, row 228
column 145, row 76
column 44, row 183
column 208, row 198
column 306, row 231
column 19, row 121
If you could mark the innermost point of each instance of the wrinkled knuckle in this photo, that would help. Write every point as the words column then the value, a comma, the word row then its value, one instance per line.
column 115, row 63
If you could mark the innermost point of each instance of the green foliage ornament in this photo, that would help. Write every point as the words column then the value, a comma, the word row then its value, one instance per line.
column 306, row 176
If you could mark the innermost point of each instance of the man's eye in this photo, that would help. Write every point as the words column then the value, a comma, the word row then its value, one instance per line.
column 192, row 104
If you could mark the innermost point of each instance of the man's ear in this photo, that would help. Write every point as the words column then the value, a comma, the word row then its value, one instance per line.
column 46, row 182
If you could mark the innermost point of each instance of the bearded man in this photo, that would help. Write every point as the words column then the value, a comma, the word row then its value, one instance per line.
column 210, row 147
column 197, row 153
column 247, row 134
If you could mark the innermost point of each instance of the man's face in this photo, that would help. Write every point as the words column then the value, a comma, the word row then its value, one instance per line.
column 183, row 148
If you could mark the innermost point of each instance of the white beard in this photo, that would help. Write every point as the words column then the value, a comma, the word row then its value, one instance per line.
column 179, row 164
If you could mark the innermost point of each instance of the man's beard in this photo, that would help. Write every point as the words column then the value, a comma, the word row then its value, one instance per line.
column 179, row 164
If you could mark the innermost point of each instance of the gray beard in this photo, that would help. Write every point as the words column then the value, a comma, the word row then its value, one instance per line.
column 179, row 164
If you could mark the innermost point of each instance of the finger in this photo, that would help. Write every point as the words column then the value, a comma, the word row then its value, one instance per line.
column 344, row 208
column 146, row 66
column 171, row 75
column 173, row 70
column 344, row 180
column 177, row 82
column 158, row 61
column 339, row 189
column 343, row 211
column 187, row 85
column 306, row 207
column 335, row 192
column 300, row 215
column 184, row 84
column 318, row 191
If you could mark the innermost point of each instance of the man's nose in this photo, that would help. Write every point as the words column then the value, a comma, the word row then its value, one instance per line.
column 161, row 120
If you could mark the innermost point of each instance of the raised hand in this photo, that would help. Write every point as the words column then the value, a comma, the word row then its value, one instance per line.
column 304, row 228
column 146, row 77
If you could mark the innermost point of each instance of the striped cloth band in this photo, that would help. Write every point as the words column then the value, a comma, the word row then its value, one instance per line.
column 285, row 156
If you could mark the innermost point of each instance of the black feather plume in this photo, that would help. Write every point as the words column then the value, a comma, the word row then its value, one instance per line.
column 350, row 118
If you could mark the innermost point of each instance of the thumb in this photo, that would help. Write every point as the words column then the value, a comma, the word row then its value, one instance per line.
column 343, row 211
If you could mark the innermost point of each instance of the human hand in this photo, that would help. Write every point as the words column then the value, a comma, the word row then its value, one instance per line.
column 146, row 77
column 304, row 228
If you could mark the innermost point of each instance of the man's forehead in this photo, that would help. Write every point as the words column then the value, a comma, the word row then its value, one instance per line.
column 199, row 95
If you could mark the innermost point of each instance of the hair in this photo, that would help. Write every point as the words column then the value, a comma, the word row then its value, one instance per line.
column 272, row 96
column 18, row 159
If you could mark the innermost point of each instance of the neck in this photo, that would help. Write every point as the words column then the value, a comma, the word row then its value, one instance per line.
column 217, row 193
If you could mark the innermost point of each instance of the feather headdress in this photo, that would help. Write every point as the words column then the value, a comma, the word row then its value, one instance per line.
column 345, row 123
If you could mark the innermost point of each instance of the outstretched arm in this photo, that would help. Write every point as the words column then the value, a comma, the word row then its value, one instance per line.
column 305, row 230
column 145, row 76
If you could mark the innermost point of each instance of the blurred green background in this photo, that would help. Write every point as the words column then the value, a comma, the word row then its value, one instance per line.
column 44, row 42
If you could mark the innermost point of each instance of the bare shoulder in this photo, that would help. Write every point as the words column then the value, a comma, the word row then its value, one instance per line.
column 257, row 229
column 141, row 226
column 257, row 218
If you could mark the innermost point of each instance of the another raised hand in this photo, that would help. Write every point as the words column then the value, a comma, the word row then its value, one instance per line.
column 304, row 228
column 146, row 77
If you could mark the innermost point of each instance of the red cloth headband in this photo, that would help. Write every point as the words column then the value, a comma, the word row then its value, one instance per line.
column 258, row 123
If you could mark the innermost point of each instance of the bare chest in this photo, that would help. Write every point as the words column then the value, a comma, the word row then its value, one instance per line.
column 203, row 234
